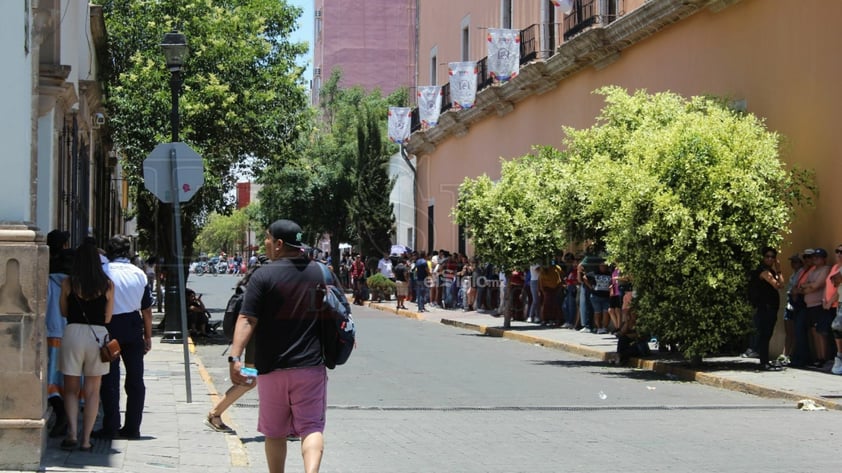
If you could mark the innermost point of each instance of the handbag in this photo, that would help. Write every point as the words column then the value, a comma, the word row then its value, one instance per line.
column 110, row 348
column 836, row 325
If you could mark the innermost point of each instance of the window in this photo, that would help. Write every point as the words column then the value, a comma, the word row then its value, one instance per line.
column 466, row 38
column 465, row 46
column 506, row 14
column 431, row 228
column 434, row 64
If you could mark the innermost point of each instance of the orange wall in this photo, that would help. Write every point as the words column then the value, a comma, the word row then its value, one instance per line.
column 783, row 63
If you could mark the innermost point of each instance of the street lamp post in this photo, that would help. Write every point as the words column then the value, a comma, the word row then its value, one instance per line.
column 175, row 49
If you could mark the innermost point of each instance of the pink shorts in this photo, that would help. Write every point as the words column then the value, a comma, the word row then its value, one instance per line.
column 292, row 402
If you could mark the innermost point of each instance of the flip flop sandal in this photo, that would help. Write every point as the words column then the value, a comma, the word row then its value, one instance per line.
column 68, row 444
column 215, row 423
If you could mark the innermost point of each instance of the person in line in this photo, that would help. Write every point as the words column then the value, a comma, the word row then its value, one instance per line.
column 797, row 266
column 401, row 283
column 599, row 285
column 61, row 261
column 278, row 312
column 87, row 301
column 549, row 293
column 358, row 278
column 131, row 325
column 767, row 303
column 422, row 284
column 836, row 281
column 813, row 291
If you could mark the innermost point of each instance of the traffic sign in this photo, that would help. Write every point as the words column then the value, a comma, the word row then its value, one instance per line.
column 158, row 171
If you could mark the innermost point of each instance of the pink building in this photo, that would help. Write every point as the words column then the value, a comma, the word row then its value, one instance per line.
column 371, row 41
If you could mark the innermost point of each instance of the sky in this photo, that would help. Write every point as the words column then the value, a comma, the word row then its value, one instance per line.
column 304, row 33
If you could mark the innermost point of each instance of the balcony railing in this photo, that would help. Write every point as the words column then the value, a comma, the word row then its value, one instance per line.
column 540, row 41
column 587, row 13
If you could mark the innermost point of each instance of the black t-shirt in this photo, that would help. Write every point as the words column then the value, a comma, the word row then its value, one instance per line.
column 281, row 297
column 400, row 272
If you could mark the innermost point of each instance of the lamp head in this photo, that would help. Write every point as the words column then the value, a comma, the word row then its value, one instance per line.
column 175, row 49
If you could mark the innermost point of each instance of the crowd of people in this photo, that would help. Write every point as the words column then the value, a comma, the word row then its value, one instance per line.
column 589, row 295
column 812, row 315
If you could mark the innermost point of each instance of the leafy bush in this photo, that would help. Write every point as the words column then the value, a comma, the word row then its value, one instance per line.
column 681, row 193
column 380, row 286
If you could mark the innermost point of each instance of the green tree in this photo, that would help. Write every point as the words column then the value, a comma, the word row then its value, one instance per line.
column 682, row 194
column 318, row 188
column 242, row 98
column 224, row 232
column 371, row 210
column 519, row 219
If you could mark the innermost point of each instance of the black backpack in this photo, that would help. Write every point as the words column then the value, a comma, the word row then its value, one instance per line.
column 232, row 311
column 338, row 332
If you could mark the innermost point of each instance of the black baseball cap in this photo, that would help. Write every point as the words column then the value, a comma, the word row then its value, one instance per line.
column 287, row 231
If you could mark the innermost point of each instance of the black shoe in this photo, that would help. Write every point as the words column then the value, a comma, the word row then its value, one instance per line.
column 103, row 434
column 125, row 434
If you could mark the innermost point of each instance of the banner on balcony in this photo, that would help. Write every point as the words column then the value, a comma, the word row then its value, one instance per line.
column 503, row 54
column 429, row 105
column 463, row 84
column 565, row 5
column 400, row 119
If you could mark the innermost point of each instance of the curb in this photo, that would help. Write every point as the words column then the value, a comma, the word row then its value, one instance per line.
column 658, row 366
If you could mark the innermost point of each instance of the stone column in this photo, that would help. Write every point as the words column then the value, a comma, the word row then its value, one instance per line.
column 24, row 273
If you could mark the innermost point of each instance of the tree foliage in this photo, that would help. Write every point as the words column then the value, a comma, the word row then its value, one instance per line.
column 242, row 96
column 681, row 193
column 224, row 232
column 318, row 187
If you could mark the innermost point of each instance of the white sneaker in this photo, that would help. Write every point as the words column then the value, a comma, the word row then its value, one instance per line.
column 585, row 330
column 837, row 365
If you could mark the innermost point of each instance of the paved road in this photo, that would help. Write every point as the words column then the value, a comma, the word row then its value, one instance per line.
column 423, row 397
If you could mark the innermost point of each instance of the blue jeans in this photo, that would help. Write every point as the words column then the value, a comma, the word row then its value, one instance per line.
column 569, row 307
column 585, row 307
column 534, row 308
column 422, row 293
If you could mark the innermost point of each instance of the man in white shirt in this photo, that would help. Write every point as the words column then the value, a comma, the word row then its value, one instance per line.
column 384, row 267
column 131, row 325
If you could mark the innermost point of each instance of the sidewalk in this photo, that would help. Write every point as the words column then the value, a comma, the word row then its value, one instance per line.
column 173, row 436
column 727, row 372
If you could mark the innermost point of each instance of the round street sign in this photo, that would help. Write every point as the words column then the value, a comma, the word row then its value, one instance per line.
column 158, row 173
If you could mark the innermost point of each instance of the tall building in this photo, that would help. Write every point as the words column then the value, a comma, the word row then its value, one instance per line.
column 371, row 41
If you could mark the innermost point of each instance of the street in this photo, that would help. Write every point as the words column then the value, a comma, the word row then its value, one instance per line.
column 423, row 397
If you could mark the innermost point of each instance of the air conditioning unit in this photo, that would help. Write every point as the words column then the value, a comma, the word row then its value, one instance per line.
column 317, row 71
column 318, row 14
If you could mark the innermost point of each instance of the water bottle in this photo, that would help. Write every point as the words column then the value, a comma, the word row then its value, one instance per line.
column 249, row 373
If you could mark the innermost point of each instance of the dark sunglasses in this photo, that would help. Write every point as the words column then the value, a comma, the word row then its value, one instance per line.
column 769, row 256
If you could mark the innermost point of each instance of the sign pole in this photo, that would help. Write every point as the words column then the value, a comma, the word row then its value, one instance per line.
column 179, row 251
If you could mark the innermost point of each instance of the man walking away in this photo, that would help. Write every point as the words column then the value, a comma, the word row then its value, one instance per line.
column 279, row 310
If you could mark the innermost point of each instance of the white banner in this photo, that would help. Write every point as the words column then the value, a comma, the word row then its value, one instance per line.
column 503, row 54
column 400, row 119
column 429, row 105
column 463, row 84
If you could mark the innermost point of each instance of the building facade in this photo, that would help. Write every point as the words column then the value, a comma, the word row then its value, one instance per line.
column 371, row 41
column 60, row 172
column 772, row 61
